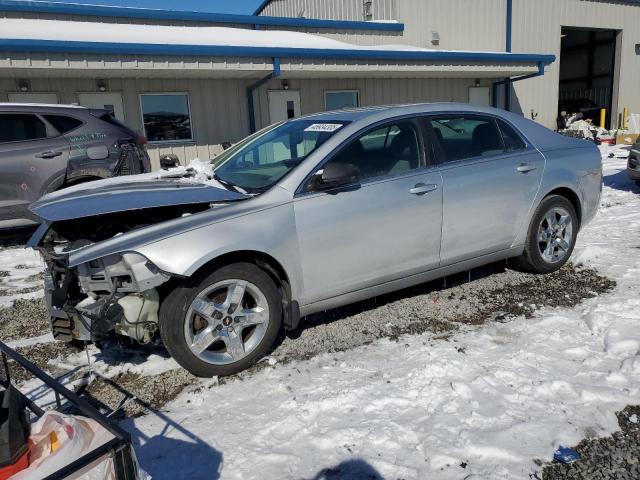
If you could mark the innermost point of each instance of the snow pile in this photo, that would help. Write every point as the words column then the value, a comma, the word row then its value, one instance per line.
column 60, row 30
column 486, row 402
column 20, row 275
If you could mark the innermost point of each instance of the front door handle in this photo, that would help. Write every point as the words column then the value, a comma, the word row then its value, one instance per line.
column 526, row 167
column 49, row 154
column 422, row 188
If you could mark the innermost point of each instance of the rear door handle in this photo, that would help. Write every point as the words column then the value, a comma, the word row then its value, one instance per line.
column 48, row 154
column 526, row 167
column 422, row 188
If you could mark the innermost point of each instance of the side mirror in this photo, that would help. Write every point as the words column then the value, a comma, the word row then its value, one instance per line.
column 335, row 175
column 169, row 161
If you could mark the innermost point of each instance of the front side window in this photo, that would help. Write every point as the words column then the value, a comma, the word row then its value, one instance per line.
column 337, row 99
column 461, row 137
column 18, row 127
column 261, row 160
column 384, row 151
column 512, row 141
column 166, row 117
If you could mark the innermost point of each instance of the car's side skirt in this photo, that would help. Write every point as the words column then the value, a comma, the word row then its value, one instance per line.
column 410, row 281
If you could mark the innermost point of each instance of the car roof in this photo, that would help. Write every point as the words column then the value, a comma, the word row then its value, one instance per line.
column 39, row 107
column 390, row 111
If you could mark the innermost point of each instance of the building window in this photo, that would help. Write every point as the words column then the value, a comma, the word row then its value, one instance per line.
column 337, row 99
column 166, row 117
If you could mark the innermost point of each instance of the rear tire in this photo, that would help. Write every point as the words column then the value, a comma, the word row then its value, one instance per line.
column 551, row 237
column 222, row 323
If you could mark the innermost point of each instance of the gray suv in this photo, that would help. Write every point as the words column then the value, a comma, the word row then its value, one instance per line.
column 44, row 148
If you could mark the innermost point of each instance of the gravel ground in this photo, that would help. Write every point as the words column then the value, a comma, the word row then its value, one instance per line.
column 27, row 318
column 494, row 294
column 615, row 457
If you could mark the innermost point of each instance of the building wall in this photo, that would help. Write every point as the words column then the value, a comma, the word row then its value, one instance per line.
column 537, row 27
column 461, row 24
column 481, row 25
column 332, row 9
column 219, row 111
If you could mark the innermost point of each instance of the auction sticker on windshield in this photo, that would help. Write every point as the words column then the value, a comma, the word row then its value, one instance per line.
column 323, row 127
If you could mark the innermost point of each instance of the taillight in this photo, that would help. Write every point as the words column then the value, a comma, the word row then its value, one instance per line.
column 141, row 139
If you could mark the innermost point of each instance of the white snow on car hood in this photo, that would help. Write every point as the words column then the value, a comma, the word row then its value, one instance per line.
column 493, row 397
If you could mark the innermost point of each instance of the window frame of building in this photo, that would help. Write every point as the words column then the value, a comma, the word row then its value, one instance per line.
column 328, row 92
column 164, row 142
column 45, row 125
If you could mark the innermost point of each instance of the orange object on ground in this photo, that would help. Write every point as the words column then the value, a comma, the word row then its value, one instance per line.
column 21, row 464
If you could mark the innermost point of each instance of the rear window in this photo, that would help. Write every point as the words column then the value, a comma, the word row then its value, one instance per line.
column 109, row 118
column 512, row 140
column 63, row 123
column 16, row 127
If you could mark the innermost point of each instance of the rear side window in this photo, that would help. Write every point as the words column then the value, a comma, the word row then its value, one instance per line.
column 18, row 127
column 462, row 137
column 512, row 141
column 110, row 119
column 62, row 123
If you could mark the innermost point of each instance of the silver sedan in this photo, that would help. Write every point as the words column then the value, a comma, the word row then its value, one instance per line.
column 213, row 261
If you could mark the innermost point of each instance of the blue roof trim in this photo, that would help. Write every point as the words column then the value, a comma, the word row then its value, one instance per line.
column 60, row 46
column 261, row 7
column 191, row 16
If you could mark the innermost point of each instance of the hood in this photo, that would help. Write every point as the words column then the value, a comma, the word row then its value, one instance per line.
column 110, row 196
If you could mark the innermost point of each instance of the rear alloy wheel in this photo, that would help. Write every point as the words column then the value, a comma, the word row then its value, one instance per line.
column 551, row 237
column 224, row 323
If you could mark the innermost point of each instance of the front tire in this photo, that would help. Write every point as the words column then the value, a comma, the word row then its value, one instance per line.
column 222, row 323
column 551, row 237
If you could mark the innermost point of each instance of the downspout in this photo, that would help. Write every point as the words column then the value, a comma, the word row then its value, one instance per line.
column 509, row 30
column 274, row 74
column 509, row 81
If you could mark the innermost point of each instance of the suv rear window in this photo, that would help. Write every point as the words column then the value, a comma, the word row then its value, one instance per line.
column 17, row 127
column 109, row 118
column 62, row 123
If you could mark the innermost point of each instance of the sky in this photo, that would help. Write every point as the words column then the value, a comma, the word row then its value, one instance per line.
column 219, row 6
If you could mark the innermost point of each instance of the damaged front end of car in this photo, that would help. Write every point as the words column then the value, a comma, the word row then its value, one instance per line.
column 97, row 285
column 114, row 294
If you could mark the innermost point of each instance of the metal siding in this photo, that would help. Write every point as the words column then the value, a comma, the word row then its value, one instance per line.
column 331, row 9
column 537, row 27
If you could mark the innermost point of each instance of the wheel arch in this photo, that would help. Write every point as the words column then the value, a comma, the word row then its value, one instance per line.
column 570, row 195
column 272, row 267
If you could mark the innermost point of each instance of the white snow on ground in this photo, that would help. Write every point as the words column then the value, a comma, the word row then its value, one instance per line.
column 22, row 267
column 495, row 397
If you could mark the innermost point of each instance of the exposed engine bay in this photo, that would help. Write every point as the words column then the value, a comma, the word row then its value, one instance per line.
column 116, row 294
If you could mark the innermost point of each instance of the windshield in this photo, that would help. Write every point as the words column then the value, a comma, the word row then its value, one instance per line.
column 261, row 160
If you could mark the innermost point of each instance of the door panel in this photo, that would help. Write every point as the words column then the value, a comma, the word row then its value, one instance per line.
column 360, row 238
column 486, row 202
column 28, row 167
column 30, row 97
column 283, row 105
column 108, row 100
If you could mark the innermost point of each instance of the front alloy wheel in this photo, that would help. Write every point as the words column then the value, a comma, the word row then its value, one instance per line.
column 222, row 323
column 226, row 321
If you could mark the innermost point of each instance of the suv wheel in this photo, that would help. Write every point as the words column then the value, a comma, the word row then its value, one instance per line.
column 222, row 323
column 551, row 237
